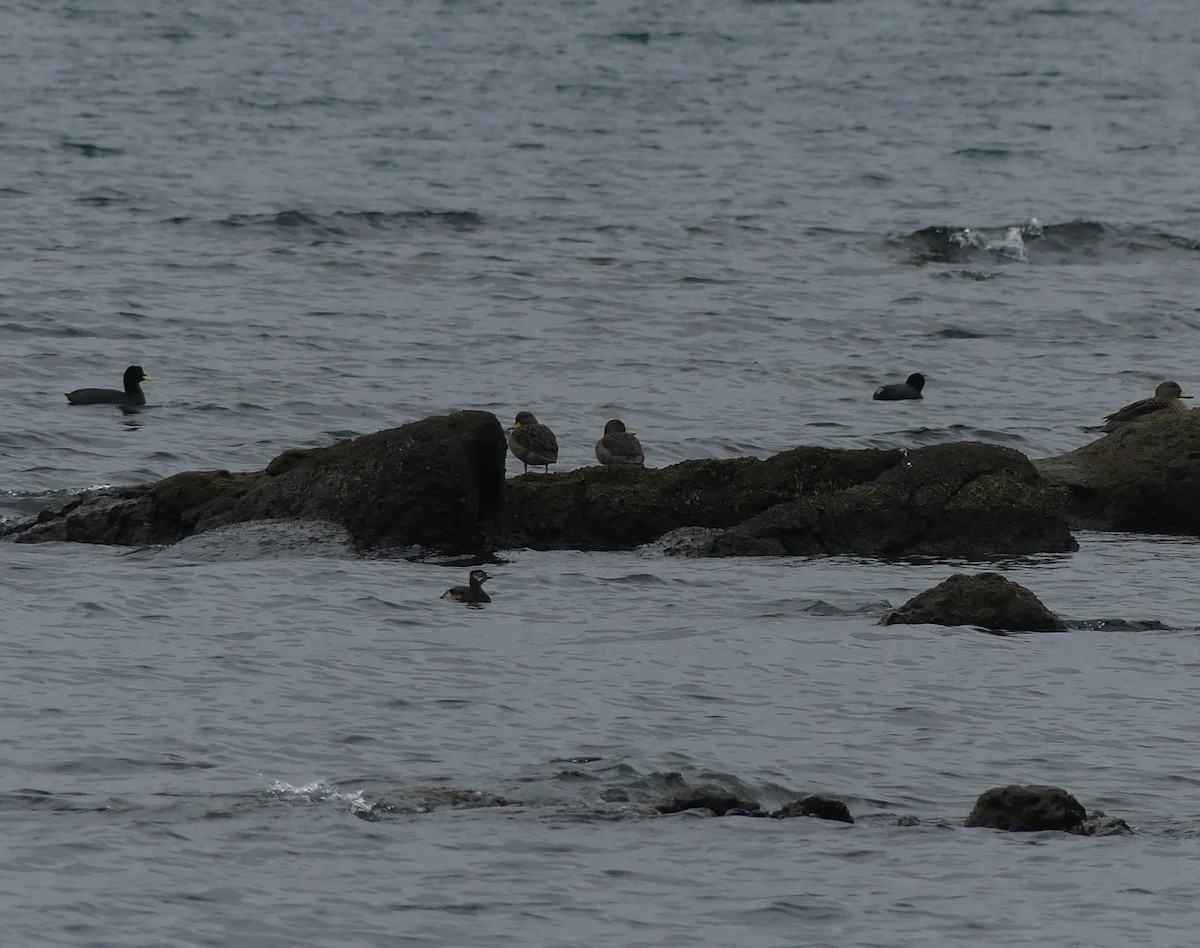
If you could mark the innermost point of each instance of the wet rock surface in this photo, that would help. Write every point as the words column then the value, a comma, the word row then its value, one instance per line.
column 986, row 600
column 613, row 508
column 720, row 802
column 1027, row 809
column 431, row 483
column 955, row 500
column 815, row 805
column 1142, row 479
column 439, row 485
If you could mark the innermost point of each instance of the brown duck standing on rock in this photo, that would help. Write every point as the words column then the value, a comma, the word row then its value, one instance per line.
column 619, row 445
column 532, row 442
column 1166, row 398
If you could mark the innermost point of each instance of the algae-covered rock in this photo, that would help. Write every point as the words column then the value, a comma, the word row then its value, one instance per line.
column 986, row 600
column 432, row 483
column 613, row 508
column 956, row 500
column 1027, row 809
column 1143, row 478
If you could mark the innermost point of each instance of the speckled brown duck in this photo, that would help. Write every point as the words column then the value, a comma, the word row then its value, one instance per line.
column 1167, row 397
column 619, row 445
column 532, row 442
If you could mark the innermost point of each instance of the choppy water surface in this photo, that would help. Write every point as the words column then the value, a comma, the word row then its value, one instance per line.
column 724, row 223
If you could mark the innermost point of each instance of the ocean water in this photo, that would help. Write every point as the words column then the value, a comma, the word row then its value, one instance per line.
column 726, row 224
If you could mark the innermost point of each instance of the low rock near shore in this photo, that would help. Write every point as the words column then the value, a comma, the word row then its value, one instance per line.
column 986, row 600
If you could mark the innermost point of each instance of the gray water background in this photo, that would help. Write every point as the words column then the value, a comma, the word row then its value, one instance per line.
column 710, row 219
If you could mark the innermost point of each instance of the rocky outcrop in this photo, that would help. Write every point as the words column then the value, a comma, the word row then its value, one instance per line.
column 1027, row 809
column 955, row 500
column 432, row 483
column 438, row 485
column 1144, row 478
column 962, row 500
column 986, row 600
column 620, row 507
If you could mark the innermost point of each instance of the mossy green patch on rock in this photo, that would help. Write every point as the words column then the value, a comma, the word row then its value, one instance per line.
column 1144, row 478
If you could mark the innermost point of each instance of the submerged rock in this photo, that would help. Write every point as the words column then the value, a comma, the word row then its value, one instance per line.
column 1027, row 809
column 1144, row 478
column 815, row 805
column 720, row 802
column 1099, row 824
column 987, row 600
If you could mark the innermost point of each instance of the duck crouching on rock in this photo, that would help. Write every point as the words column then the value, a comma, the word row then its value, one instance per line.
column 1166, row 398
column 619, row 445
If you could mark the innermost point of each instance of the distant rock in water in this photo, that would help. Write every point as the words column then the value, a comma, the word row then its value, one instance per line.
column 1027, row 809
column 720, row 802
column 817, row 806
column 987, row 600
column 1144, row 478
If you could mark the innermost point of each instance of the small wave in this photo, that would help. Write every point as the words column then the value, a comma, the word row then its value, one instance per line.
column 319, row 792
column 90, row 150
column 1071, row 242
column 350, row 224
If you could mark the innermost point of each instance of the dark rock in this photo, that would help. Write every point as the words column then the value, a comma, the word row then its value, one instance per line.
column 1144, row 478
column 620, row 507
column 815, row 805
column 955, row 500
column 433, row 483
column 1097, row 824
column 1027, row 809
column 909, row 820
column 162, row 512
column 721, row 802
column 437, row 486
column 987, row 600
